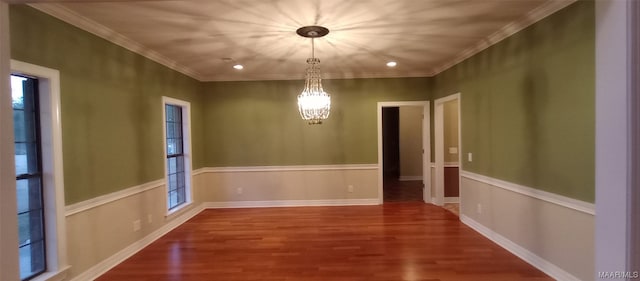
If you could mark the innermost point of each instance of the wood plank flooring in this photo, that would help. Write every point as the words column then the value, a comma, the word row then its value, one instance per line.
column 395, row 241
column 402, row 191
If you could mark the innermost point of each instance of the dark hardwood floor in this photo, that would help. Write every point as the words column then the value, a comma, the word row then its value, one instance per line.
column 402, row 191
column 394, row 241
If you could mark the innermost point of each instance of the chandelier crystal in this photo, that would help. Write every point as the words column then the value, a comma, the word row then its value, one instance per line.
column 314, row 104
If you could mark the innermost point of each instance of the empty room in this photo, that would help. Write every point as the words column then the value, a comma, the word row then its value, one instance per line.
column 319, row 140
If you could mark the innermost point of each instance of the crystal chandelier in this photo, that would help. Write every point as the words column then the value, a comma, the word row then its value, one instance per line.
column 314, row 103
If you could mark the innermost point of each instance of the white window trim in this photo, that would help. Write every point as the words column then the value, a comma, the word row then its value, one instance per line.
column 52, row 165
column 186, row 135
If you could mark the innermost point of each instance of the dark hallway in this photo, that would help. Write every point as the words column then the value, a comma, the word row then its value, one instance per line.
column 395, row 190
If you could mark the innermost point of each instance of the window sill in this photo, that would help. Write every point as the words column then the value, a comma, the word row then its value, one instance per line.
column 53, row 275
column 180, row 209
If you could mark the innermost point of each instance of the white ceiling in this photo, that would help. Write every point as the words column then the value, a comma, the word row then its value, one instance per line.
column 195, row 36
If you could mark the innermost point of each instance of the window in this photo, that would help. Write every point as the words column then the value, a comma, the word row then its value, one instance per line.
column 29, row 189
column 178, row 164
column 39, row 196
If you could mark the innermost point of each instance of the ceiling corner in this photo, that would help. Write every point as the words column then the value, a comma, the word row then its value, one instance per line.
column 64, row 14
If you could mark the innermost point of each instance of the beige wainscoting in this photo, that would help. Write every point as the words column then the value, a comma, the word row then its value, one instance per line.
column 549, row 231
column 553, row 233
column 101, row 234
column 288, row 185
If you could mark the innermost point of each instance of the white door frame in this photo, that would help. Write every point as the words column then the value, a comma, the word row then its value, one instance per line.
column 634, row 199
column 438, row 126
column 426, row 148
column 613, row 133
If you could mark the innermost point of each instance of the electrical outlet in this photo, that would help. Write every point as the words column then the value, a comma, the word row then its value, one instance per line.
column 453, row 150
column 479, row 208
column 136, row 225
column 239, row 190
column 470, row 157
column 350, row 188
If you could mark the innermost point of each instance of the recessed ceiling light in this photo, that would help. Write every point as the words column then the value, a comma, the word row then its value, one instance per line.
column 392, row 64
column 238, row 66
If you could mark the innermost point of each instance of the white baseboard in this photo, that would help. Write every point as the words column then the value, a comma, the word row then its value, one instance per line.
column 110, row 262
column 446, row 165
column 452, row 200
column 533, row 259
column 290, row 203
column 410, row 178
column 446, row 200
column 339, row 167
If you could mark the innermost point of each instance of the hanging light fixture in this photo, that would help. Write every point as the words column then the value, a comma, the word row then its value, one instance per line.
column 314, row 103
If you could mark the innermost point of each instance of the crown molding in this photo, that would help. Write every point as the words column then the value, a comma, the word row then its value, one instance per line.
column 300, row 76
column 84, row 23
column 62, row 13
column 530, row 18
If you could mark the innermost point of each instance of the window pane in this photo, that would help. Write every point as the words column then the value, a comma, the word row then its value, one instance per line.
column 35, row 193
column 180, row 176
column 30, row 227
column 178, row 114
column 29, row 194
column 25, row 119
column 172, row 165
column 173, row 182
column 177, row 130
column 33, row 158
column 173, row 199
column 22, row 192
column 25, row 262
column 181, row 195
column 37, row 256
column 26, row 158
column 171, row 130
column 170, row 133
column 19, row 125
column 171, row 146
column 32, row 259
column 37, row 229
column 179, row 146
column 176, row 192
column 24, row 229
column 21, row 158
column 180, row 167
column 28, row 177
column 16, row 91
column 169, row 112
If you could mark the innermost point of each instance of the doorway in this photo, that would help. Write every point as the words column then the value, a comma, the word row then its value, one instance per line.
column 403, row 151
column 447, row 148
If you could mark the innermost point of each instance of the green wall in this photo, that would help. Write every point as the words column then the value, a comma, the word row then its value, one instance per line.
column 527, row 109
column 257, row 123
column 528, row 105
column 111, row 104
